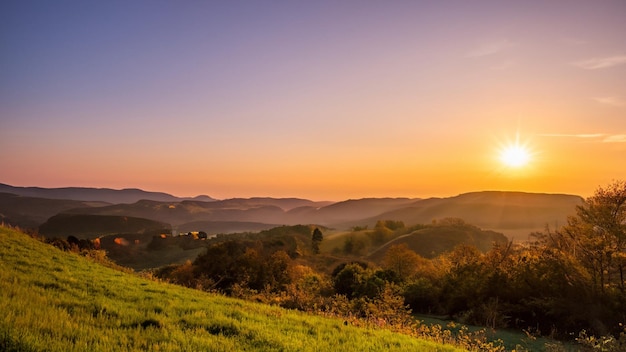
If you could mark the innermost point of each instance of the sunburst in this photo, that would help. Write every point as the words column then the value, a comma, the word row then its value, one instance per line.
column 515, row 154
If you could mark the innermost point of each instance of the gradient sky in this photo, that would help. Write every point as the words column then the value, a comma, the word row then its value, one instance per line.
column 325, row 100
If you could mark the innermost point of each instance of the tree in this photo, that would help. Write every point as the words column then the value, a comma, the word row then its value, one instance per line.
column 316, row 239
column 464, row 279
column 597, row 236
column 219, row 263
column 278, row 270
column 381, row 233
column 347, row 278
column 584, row 264
column 422, row 295
column 403, row 261
column 353, row 244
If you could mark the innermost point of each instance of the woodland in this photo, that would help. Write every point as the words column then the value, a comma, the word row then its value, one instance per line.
column 567, row 283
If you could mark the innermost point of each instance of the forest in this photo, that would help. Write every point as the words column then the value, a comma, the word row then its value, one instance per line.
column 567, row 283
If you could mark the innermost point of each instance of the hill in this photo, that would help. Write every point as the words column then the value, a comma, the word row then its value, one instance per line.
column 346, row 211
column 178, row 213
column 93, row 226
column 58, row 301
column 224, row 227
column 253, row 210
column 285, row 204
column 113, row 196
column 30, row 212
column 442, row 237
column 516, row 214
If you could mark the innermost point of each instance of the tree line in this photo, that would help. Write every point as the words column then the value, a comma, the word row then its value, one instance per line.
column 562, row 282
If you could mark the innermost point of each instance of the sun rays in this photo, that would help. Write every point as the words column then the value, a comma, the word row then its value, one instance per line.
column 515, row 154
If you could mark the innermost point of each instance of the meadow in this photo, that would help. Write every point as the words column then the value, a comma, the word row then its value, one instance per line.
column 567, row 284
column 60, row 301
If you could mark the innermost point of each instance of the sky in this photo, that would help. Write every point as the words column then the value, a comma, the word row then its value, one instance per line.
column 325, row 100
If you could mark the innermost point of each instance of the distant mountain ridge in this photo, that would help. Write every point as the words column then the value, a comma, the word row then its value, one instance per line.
column 515, row 214
column 93, row 226
column 30, row 212
column 108, row 195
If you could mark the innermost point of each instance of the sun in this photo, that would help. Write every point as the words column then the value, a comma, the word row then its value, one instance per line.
column 515, row 155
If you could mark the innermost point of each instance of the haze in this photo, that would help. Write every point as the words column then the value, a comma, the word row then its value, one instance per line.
column 322, row 100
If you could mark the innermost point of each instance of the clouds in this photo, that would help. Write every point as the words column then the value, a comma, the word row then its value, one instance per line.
column 601, row 62
column 616, row 138
column 492, row 49
column 611, row 101
column 489, row 48
column 592, row 137
column 581, row 135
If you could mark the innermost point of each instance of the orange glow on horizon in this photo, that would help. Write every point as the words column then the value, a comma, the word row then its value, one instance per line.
column 393, row 102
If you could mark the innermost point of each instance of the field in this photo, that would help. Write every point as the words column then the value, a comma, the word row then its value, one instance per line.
column 58, row 301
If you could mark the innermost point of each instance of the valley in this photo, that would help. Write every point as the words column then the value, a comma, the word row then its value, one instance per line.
column 371, row 262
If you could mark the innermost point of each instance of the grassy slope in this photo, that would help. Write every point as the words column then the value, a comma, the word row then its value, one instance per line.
column 56, row 301
column 93, row 226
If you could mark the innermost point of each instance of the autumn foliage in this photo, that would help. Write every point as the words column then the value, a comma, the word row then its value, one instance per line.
column 562, row 282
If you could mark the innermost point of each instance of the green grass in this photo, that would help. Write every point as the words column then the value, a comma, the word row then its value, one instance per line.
column 57, row 301
column 511, row 338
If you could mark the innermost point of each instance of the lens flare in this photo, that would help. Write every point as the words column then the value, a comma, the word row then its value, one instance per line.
column 515, row 156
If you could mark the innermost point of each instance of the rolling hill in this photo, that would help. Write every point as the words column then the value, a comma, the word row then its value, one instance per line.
column 225, row 227
column 59, row 301
column 516, row 214
column 346, row 211
column 443, row 236
column 113, row 196
column 177, row 213
column 30, row 212
column 86, row 226
column 248, row 212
